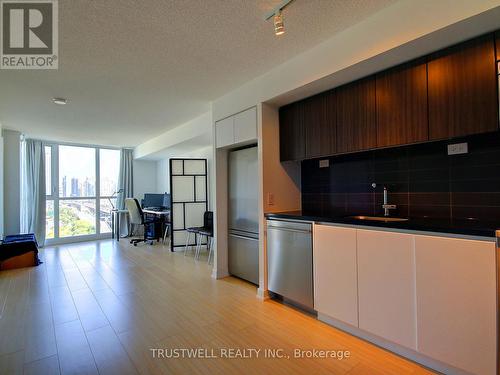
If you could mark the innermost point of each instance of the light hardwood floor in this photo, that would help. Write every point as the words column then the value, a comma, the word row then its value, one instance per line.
column 99, row 307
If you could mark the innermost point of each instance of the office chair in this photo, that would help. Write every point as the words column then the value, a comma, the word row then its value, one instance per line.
column 137, row 218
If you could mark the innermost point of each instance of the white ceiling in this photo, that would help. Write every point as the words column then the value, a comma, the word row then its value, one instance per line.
column 133, row 69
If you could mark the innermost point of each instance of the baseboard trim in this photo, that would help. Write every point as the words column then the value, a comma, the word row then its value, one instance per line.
column 402, row 351
column 219, row 274
column 263, row 294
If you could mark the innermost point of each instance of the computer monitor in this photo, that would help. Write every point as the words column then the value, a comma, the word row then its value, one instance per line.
column 153, row 200
column 166, row 201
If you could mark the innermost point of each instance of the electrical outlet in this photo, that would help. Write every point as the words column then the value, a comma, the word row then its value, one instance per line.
column 270, row 199
column 458, row 148
column 325, row 163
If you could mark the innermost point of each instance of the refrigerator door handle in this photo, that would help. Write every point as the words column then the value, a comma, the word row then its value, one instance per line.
column 243, row 237
column 289, row 229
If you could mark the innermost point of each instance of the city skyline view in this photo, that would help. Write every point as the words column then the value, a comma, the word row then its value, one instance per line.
column 81, row 200
column 77, row 166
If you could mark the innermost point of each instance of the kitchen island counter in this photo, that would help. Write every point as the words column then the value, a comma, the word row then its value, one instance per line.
column 474, row 228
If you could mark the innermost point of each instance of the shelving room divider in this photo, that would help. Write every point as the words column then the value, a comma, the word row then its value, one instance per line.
column 189, row 195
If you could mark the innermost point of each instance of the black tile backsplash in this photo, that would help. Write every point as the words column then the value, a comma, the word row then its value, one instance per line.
column 423, row 181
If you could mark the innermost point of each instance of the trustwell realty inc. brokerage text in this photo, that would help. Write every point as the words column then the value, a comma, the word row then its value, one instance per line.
column 247, row 353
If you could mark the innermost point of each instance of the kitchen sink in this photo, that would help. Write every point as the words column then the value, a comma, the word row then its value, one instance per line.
column 378, row 218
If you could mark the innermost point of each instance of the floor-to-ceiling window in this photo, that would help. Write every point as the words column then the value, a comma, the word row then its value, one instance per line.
column 80, row 185
column 49, row 191
column 109, row 161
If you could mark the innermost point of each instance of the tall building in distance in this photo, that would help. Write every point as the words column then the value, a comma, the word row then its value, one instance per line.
column 88, row 188
column 75, row 187
column 64, row 191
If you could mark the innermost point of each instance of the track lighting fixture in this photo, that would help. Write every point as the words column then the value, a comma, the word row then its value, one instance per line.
column 277, row 16
column 279, row 27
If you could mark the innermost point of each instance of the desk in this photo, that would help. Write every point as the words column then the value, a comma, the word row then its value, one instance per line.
column 115, row 223
column 163, row 215
column 156, row 212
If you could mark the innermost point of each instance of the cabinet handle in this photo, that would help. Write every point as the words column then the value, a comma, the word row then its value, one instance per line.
column 289, row 229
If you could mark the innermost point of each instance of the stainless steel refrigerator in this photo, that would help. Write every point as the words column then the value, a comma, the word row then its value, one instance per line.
column 243, row 246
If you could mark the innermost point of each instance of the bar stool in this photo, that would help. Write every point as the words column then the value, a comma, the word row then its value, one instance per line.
column 166, row 231
column 192, row 230
column 211, row 251
column 208, row 233
column 206, row 229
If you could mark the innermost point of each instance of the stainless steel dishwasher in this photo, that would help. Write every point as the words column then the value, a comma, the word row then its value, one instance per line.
column 289, row 261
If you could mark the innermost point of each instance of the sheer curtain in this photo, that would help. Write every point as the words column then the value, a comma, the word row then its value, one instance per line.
column 125, row 179
column 33, row 189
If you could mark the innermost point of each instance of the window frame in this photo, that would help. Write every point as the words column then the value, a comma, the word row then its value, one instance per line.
column 51, row 196
column 56, row 198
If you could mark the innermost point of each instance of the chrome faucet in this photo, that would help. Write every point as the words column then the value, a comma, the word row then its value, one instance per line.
column 386, row 206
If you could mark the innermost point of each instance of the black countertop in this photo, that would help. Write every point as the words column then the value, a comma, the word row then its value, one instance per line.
column 464, row 227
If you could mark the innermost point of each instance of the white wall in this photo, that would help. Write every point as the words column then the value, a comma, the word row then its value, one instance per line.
column 195, row 129
column 144, row 178
column 192, row 139
column 11, row 182
column 282, row 180
column 163, row 175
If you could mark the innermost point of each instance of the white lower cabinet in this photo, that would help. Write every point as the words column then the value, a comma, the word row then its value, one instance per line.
column 386, row 285
column 436, row 296
column 456, row 302
column 335, row 274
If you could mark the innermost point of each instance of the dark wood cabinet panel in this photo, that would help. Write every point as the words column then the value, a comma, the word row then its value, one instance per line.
column 462, row 87
column 497, row 43
column 319, row 123
column 292, row 134
column 402, row 105
column 356, row 116
column 451, row 93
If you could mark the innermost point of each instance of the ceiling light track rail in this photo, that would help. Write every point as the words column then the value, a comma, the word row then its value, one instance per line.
column 277, row 9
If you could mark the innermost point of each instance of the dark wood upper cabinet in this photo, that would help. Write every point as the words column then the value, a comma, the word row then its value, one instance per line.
column 462, row 87
column 292, row 132
column 402, row 105
column 319, row 123
column 356, row 116
column 497, row 43
column 451, row 93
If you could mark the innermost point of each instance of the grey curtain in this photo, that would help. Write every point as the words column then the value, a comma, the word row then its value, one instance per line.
column 33, row 189
column 125, row 179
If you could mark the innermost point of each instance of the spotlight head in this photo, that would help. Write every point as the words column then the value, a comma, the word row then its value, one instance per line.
column 279, row 27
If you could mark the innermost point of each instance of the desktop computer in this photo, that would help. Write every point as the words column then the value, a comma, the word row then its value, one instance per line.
column 159, row 203
column 156, row 201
